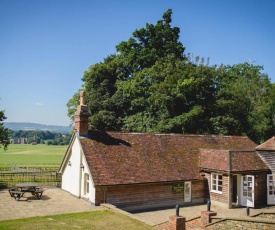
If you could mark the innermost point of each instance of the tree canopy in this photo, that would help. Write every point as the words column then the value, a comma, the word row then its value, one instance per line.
column 151, row 85
column 4, row 139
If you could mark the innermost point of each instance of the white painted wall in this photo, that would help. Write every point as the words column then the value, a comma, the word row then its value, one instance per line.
column 91, row 195
column 71, row 174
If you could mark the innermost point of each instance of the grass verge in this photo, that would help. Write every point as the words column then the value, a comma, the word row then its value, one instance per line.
column 96, row 220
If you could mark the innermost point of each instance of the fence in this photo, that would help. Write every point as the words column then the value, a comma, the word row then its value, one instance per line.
column 44, row 177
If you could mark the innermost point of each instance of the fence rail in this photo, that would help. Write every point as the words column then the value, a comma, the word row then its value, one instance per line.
column 15, row 168
column 43, row 176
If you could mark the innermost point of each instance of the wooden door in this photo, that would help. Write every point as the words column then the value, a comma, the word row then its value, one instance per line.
column 247, row 191
column 187, row 191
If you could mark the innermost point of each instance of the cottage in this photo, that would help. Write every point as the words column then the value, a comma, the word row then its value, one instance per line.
column 144, row 170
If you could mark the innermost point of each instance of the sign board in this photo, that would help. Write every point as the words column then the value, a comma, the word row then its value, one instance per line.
column 178, row 187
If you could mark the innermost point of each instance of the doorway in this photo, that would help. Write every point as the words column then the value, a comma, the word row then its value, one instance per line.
column 187, row 191
column 271, row 189
column 235, row 189
column 247, row 191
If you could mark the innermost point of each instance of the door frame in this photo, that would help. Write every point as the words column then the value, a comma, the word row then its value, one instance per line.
column 187, row 191
column 247, row 187
column 270, row 197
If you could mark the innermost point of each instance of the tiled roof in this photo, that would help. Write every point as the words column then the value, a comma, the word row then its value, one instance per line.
column 246, row 161
column 231, row 161
column 129, row 158
column 268, row 145
column 214, row 159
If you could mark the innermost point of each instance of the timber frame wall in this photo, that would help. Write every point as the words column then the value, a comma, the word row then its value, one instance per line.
column 147, row 196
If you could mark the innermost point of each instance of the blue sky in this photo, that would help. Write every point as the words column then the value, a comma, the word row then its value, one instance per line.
column 46, row 45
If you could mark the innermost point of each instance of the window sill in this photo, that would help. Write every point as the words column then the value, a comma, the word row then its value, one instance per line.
column 217, row 192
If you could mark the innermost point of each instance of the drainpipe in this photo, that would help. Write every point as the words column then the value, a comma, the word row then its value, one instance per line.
column 229, row 180
column 80, row 175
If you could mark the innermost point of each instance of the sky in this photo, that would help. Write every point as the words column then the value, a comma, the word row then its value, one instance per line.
column 46, row 45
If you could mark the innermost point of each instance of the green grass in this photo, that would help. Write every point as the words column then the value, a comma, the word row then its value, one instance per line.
column 96, row 220
column 26, row 154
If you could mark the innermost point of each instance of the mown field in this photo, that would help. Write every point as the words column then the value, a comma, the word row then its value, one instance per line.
column 97, row 220
column 26, row 154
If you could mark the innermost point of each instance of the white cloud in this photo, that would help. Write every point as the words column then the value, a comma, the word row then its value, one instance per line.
column 38, row 104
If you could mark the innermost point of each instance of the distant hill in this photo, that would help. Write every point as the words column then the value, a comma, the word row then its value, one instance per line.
column 35, row 126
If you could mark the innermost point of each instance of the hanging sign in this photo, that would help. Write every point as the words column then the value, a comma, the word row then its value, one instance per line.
column 178, row 187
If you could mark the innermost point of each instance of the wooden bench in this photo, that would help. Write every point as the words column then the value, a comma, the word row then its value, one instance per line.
column 16, row 194
column 11, row 191
column 39, row 193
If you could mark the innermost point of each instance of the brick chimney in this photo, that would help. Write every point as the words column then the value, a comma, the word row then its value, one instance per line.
column 81, row 117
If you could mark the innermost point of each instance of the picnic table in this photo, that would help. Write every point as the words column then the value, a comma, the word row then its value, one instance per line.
column 22, row 188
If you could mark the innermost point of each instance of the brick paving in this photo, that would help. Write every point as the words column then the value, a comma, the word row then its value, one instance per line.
column 160, row 216
column 54, row 201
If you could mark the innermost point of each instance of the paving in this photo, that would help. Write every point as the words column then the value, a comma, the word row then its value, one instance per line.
column 56, row 201
column 159, row 216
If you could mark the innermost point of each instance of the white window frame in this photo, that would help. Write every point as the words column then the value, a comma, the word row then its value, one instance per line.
column 86, row 183
column 215, row 185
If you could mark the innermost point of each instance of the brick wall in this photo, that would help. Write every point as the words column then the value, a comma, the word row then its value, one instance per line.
column 174, row 223
column 148, row 196
column 193, row 224
column 240, row 224
column 215, row 196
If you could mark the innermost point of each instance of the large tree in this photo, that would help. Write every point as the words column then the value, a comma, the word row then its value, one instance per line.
column 150, row 85
column 4, row 138
column 244, row 102
column 109, row 107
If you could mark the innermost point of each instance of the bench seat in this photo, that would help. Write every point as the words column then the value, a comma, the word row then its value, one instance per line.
column 16, row 194
column 39, row 193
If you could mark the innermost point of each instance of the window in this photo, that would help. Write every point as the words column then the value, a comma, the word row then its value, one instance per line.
column 216, row 183
column 86, row 183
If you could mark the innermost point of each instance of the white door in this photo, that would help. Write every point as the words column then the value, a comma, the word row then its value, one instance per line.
column 247, row 191
column 270, row 189
column 187, row 191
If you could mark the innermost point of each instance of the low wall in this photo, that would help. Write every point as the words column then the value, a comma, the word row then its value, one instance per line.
column 245, row 223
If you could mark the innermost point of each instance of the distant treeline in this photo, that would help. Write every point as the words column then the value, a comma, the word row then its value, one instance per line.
column 41, row 137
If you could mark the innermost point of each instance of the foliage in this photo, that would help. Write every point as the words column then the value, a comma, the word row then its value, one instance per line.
column 41, row 137
column 4, row 140
column 244, row 102
column 150, row 85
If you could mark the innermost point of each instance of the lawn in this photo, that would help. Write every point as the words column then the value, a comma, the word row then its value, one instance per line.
column 96, row 220
column 26, row 154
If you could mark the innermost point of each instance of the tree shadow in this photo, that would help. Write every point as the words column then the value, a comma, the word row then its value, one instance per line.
column 106, row 139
